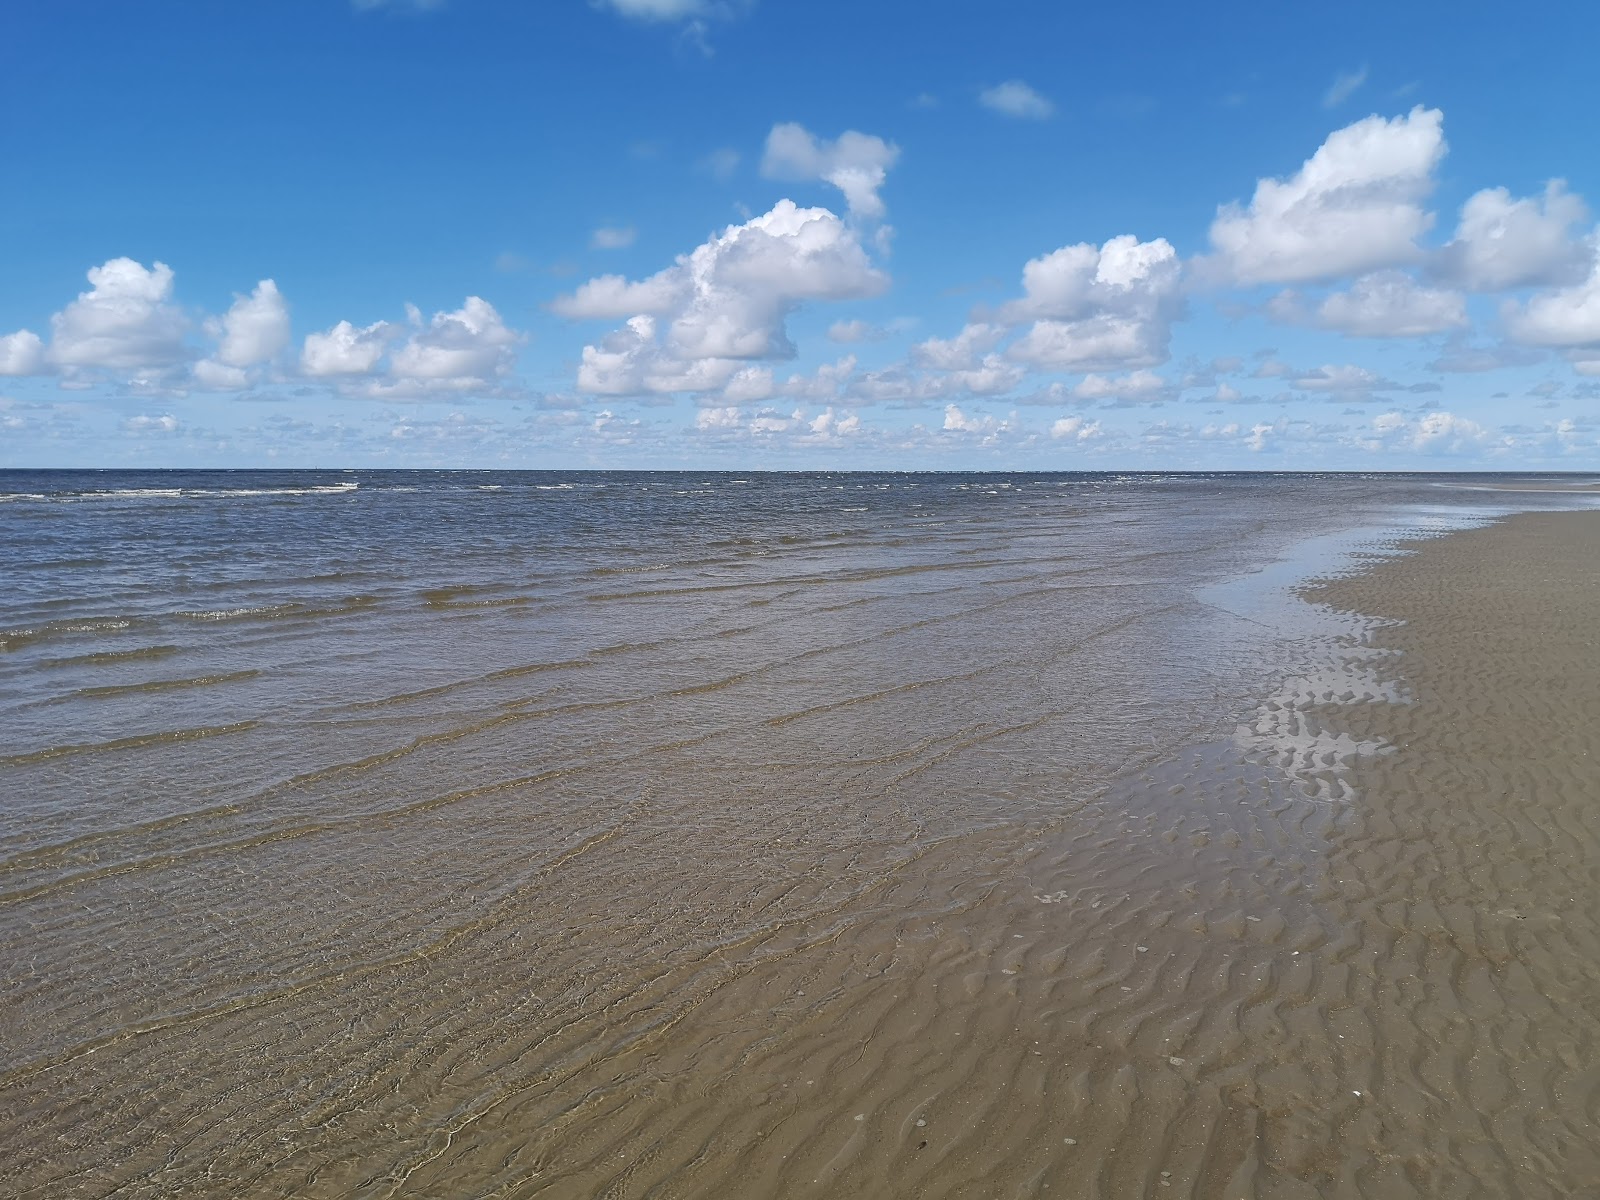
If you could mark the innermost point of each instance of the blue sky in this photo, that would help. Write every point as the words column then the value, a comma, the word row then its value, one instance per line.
column 751, row 233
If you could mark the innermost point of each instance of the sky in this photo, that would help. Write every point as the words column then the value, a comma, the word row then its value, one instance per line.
column 757, row 234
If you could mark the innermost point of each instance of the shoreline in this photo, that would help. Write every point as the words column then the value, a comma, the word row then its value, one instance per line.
column 1247, row 967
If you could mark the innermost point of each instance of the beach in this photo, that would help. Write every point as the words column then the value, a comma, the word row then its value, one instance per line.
column 854, row 835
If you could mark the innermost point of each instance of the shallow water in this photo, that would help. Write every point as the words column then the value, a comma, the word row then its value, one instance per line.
column 501, row 833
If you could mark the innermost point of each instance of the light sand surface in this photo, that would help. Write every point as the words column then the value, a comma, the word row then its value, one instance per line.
column 1352, row 951
column 1360, row 958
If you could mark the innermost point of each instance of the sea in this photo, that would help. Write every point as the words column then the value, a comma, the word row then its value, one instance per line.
column 357, row 825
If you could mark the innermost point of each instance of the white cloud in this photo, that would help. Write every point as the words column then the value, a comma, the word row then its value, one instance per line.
column 1014, row 98
column 612, row 237
column 21, row 353
column 1077, row 428
column 1342, row 379
column 727, row 417
column 345, row 349
column 897, row 384
column 219, row 377
column 749, row 384
column 1097, row 343
column 961, row 352
column 855, row 163
column 458, row 350
column 1503, row 243
column 1344, row 85
column 1137, row 387
column 1079, row 281
column 253, row 331
column 1098, row 309
column 693, row 16
column 124, row 322
column 1392, row 304
column 724, row 304
column 1353, row 206
column 1562, row 317
column 988, row 377
column 659, row 10
column 1434, row 433
column 828, row 424
column 956, row 421
column 610, row 297
column 773, row 426
column 144, row 424
column 1257, row 441
column 469, row 349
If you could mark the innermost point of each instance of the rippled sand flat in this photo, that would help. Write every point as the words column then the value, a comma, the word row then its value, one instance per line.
column 996, row 850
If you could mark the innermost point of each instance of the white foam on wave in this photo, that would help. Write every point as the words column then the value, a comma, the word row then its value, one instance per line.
column 320, row 489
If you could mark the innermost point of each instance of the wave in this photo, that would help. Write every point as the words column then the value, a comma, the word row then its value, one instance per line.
column 289, row 609
column 159, row 685
column 135, row 742
column 178, row 493
column 15, row 639
column 104, row 657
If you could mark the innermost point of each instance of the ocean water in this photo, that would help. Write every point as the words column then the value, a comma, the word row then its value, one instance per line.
column 339, row 810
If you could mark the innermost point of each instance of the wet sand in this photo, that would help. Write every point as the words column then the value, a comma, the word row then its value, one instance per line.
column 1351, row 950
column 1354, row 952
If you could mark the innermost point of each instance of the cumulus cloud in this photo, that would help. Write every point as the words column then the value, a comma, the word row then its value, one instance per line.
column 1256, row 442
column 772, row 425
column 1433, row 433
column 253, row 331
column 1134, row 388
column 1101, row 308
column 125, row 322
column 961, row 352
column 1503, row 243
column 466, row 348
column 1563, row 317
column 957, row 421
column 722, row 305
column 855, row 163
column 21, row 353
column 345, row 350
column 1354, row 206
column 988, row 376
column 1076, row 428
column 1343, row 380
column 613, row 237
column 829, row 424
column 1392, row 304
column 610, row 297
column 1013, row 98
column 750, row 384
